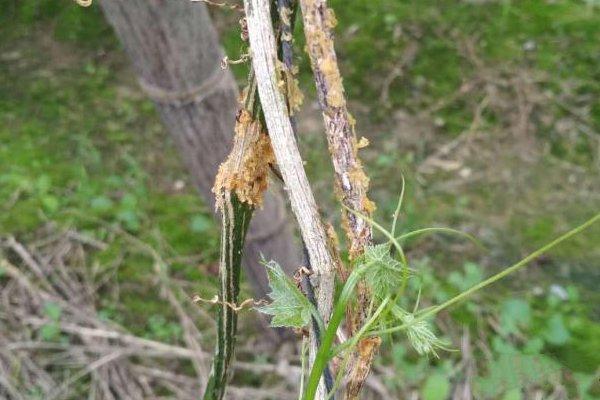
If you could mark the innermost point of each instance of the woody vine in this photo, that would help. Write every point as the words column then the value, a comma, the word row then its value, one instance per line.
column 374, row 277
column 344, row 325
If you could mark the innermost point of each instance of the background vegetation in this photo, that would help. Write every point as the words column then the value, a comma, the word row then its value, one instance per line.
column 489, row 108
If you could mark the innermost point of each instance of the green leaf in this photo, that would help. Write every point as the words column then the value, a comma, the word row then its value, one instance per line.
column 584, row 382
column 436, row 387
column 472, row 275
column 130, row 219
column 384, row 274
column 573, row 293
column 290, row 308
column 129, row 202
column 556, row 333
column 50, row 203
column 101, row 203
column 534, row 346
column 50, row 332
column 52, row 311
column 513, row 394
column 515, row 370
column 43, row 184
column 200, row 223
column 515, row 313
column 420, row 334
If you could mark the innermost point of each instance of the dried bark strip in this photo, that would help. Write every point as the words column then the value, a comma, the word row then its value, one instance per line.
column 351, row 181
column 264, row 61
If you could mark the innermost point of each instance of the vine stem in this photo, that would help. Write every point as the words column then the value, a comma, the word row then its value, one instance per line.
column 324, row 351
column 352, row 183
column 235, row 220
column 264, row 58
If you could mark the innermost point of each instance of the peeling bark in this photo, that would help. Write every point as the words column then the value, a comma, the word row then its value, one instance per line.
column 351, row 181
column 275, row 109
column 246, row 170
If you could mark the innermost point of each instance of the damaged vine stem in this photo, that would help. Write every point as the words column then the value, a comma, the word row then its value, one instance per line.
column 351, row 182
column 253, row 152
column 264, row 56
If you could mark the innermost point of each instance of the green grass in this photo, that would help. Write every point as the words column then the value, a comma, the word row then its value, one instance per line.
column 70, row 140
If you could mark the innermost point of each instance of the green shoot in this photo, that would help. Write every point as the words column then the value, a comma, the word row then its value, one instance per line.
column 398, row 207
column 384, row 231
column 323, row 354
column 515, row 267
column 387, row 277
column 419, row 333
column 418, row 232
column 354, row 341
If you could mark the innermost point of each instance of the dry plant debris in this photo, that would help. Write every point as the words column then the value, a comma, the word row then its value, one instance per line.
column 48, row 288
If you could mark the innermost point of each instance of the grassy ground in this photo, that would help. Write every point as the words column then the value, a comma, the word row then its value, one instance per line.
column 72, row 127
column 489, row 108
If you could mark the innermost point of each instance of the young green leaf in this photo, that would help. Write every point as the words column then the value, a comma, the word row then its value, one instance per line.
column 420, row 334
column 385, row 274
column 290, row 308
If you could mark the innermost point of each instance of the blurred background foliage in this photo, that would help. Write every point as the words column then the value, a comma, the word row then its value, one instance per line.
column 490, row 109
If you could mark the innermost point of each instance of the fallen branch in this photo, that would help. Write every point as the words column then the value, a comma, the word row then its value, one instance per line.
column 95, row 355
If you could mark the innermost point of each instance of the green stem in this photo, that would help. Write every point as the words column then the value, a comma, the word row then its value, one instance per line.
column 323, row 354
column 398, row 207
column 354, row 340
column 235, row 220
column 438, row 229
column 432, row 311
column 385, row 232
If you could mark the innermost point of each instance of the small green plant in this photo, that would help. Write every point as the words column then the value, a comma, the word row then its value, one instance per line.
column 385, row 269
column 50, row 331
column 161, row 329
column 517, row 327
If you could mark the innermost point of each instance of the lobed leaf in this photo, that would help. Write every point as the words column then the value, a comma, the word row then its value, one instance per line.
column 289, row 308
column 385, row 274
